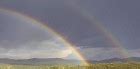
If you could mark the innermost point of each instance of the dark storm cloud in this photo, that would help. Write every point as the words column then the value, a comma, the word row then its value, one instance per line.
column 15, row 30
column 121, row 17
column 22, row 38
column 63, row 18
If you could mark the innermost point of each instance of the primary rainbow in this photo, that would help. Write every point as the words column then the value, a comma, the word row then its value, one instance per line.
column 46, row 27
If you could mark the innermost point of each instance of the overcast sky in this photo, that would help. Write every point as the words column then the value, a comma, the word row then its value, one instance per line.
column 120, row 17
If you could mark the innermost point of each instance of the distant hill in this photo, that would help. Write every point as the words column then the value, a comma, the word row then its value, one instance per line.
column 117, row 60
column 38, row 61
column 50, row 61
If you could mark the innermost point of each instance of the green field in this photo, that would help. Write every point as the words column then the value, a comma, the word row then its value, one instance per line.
column 91, row 66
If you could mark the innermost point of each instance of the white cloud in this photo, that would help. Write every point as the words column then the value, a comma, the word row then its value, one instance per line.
column 44, row 49
column 54, row 48
column 107, row 53
column 134, row 52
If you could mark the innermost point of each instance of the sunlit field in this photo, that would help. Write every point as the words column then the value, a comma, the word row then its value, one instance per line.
column 91, row 66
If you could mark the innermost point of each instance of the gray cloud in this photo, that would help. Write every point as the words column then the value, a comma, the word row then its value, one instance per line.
column 121, row 17
column 61, row 17
column 23, row 39
column 16, row 30
column 101, row 53
column 44, row 49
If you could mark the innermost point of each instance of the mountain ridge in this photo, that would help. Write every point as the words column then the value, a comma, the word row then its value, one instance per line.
column 40, row 61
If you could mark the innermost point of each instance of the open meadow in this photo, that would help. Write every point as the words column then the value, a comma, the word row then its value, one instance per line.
column 91, row 66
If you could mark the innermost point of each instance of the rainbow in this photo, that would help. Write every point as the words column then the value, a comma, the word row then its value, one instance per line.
column 121, row 50
column 52, row 31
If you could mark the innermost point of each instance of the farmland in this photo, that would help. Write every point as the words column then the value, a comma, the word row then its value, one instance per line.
column 91, row 66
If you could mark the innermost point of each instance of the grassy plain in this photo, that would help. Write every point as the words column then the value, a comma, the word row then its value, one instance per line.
column 91, row 66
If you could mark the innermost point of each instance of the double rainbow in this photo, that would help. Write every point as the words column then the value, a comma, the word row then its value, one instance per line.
column 115, row 42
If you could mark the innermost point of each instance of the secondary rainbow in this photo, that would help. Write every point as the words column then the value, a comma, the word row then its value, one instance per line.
column 109, row 35
column 46, row 27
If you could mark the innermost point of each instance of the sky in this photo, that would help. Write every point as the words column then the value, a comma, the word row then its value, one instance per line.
column 88, row 24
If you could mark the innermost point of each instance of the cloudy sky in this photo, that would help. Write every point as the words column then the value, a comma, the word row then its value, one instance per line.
column 93, row 26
